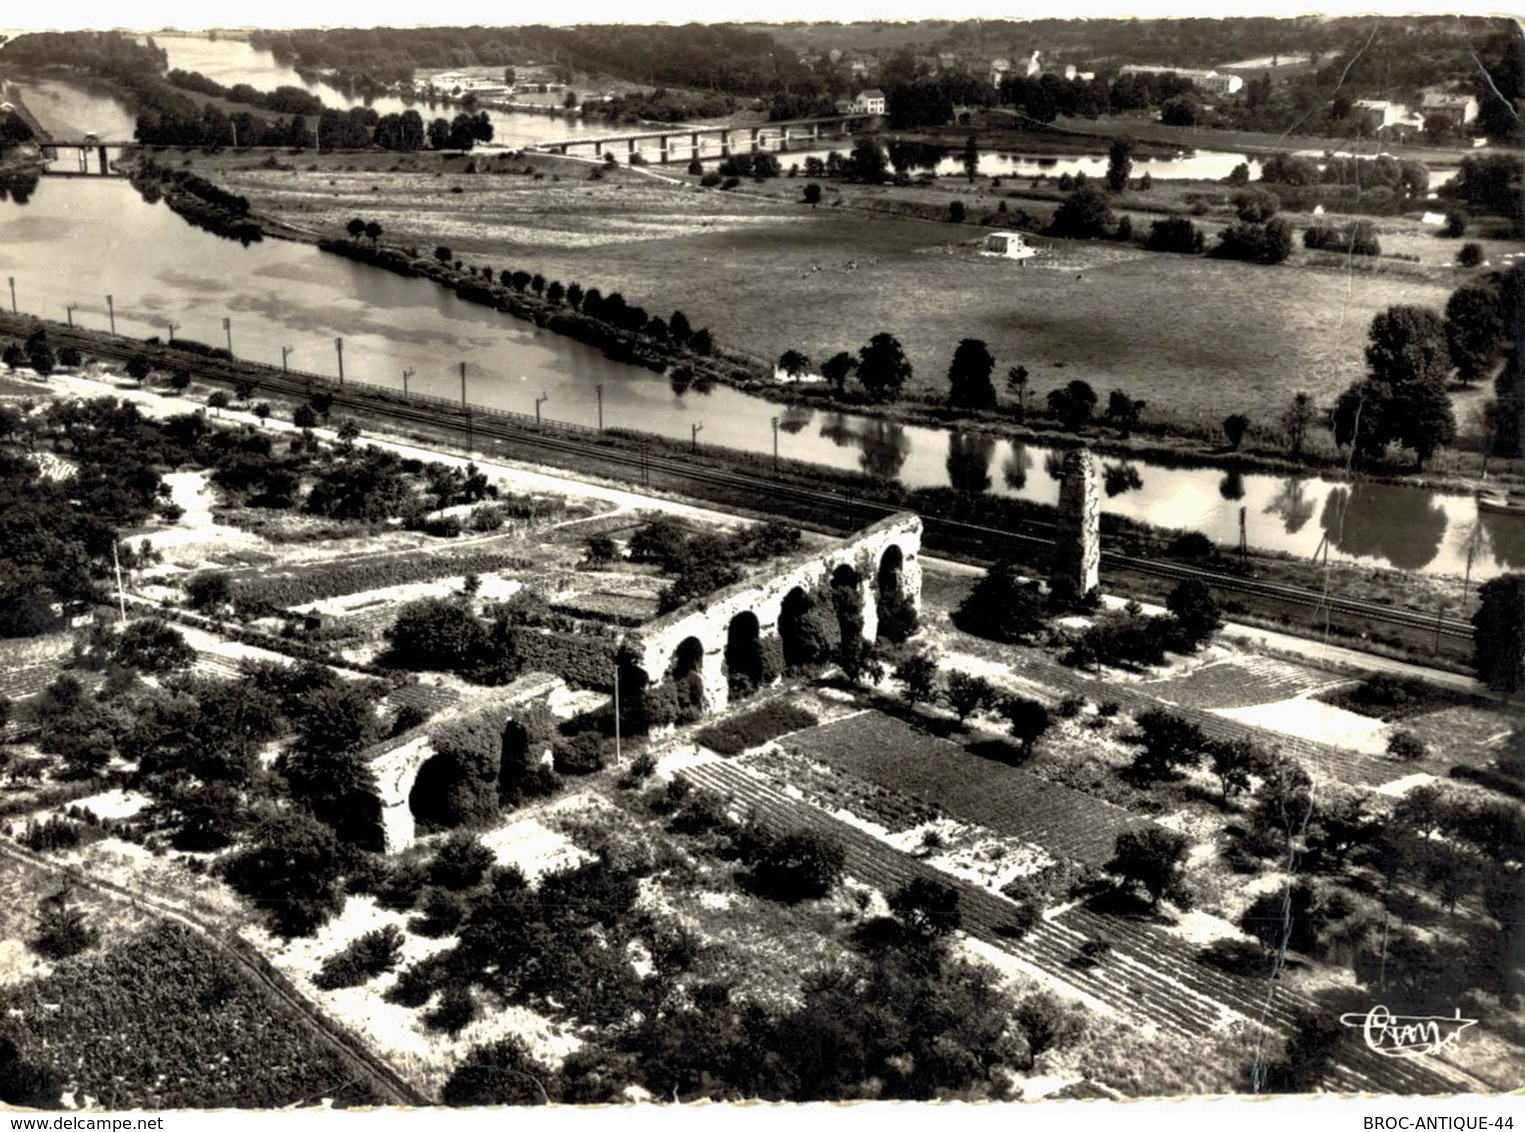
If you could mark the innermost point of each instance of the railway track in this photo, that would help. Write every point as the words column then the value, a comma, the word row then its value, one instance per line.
column 367, row 1066
column 552, row 443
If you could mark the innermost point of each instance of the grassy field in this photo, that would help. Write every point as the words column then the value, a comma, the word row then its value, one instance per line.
column 1199, row 337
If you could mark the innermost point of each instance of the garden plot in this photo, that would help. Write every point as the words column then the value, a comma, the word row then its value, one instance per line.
column 1002, row 798
column 972, row 854
column 1303, row 717
column 533, row 848
column 1231, row 680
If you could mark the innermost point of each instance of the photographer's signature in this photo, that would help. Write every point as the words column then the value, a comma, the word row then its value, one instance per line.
column 1400, row 1035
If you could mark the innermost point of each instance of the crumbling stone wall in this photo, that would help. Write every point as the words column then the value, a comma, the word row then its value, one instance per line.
column 1077, row 555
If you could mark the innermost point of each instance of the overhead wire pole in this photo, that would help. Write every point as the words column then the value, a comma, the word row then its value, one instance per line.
column 598, row 391
column 69, row 313
column 285, row 353
column 693, row 435
column 111, row 313
column 227, row 325
column 339, row 349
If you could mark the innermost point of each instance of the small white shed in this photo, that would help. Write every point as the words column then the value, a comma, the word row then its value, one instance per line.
column 1009, row 245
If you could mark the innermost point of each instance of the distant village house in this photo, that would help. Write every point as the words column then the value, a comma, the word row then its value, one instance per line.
column 1008, row 245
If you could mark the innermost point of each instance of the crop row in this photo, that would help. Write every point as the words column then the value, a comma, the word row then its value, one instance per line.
column 1149, row 976
column 283, row 590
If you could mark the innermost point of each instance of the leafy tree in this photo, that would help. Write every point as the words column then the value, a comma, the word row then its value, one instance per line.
column 1232, row 762
column 209, row 591
column 1289, row 918
column 967, row 694
column 291, row 871
column 1469, row 255
column 443, row 253
column 928, row 908
column 1177, row 234
column 969, row 377
column 793, row 363
column 1016, row 381
column 971, row 157
column 41, row 358
column 1256, row 206
column 373, row 231
column 219, row 400
column 812, row 195
column 1119, row 164
column 439, row 633
column 1047, row 1023
column 355, row 228
column 837, row 368
column 1297, row 420
column 883, row 368
column 503, row 1073
column 1003, row 606
column 262, row 411
column 151, row 645
column 25, row 1084
column 322, row 403
column 1169, row 742
column 797, row 866
column 1234, row 427
column 460, row 862
column 1474, row 331
column 1182, row 110
column 1498, row 633
column 1151, row 858
column 1084, row 215
column 1028, row 720
column 917, row 674
column 1407, row 345
column 1123, row 411
column 304, row 417
column 1407, row 746
column 1073, row 405
column 1403, row 400
column 62, row 927
column 956, row 212
column 1192, row 605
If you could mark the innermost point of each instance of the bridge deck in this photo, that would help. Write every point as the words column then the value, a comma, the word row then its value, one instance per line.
column 677, row 131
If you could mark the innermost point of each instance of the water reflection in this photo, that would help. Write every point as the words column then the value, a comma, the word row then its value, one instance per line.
column 794, row 419
column 1292, row 505
column 969, row 456
column 883, row 445
column 1053, row 465
column 1014, row 467
column 1231, row 486
column 1120, row 478
column 18, row 187
column 1504, row 535
column 1403, row 525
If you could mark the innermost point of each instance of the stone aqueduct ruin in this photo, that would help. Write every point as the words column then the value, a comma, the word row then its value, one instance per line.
column 745, row 633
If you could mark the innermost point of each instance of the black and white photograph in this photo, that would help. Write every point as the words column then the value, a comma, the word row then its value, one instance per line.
column 639, row 556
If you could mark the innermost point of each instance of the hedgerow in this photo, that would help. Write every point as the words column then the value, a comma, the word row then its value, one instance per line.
column 755, row 728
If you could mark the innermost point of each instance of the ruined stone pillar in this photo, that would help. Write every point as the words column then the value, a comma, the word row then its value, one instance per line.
column 1077, row 552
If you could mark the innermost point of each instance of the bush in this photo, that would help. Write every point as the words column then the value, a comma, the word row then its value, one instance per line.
column 710, row 180
column 1470, row 255
column 151, row 645
column 460, row 861
column 582, row 753
column 1407, row 746
column 365, row 957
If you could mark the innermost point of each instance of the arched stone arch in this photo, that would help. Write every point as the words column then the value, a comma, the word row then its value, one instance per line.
column 895, row 606
column 686, row 672
column 807, row 628
column 516, row 763
column 743, row 655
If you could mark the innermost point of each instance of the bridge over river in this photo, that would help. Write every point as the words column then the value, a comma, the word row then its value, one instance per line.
column 722, row 140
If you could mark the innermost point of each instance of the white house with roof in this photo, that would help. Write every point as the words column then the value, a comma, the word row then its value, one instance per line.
column 1376, row 113
column 1008, row 245
column 1455, row 109
column 869, row 101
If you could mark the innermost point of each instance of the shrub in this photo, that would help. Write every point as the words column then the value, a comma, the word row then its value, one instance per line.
column 151, row 645
column 1470, row 255
column 365, row 957
column 582, row 753
column 710, row 180
column 457, row 1006
column 460, row 861
column 1407, row 746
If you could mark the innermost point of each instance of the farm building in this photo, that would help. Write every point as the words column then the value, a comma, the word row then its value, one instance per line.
column 1010, row 245
column 870, row 101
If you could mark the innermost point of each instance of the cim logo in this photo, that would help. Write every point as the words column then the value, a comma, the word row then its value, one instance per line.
column 1398, row 1035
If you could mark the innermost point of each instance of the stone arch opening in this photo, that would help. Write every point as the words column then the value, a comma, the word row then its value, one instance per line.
column 744, row 655
column 847, row 601
column 516, row 765
column 432, row 798
column 807, row 629
column 686, row 673
column 897, row 613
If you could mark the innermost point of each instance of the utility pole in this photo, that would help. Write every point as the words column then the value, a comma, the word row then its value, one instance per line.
column 599, row 392
column 407, row 373
column 616, row 713
column 1244, row 546
column 12, row 280
column 775, row 446
column 227, row 325
column 69, row 312
column 694, row 430
column 463, row 387
column 542, row 399
column 339, row 348
column 173, row 326
column 285, row 353
column 111, row 313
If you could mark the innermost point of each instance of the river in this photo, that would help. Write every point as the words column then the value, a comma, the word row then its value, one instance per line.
column 77, row 240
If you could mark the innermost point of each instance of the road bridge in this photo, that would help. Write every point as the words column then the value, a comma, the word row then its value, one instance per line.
column 723, row 141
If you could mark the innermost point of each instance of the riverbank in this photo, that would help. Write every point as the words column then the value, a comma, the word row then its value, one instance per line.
column 827, row 493
column 758, row 268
